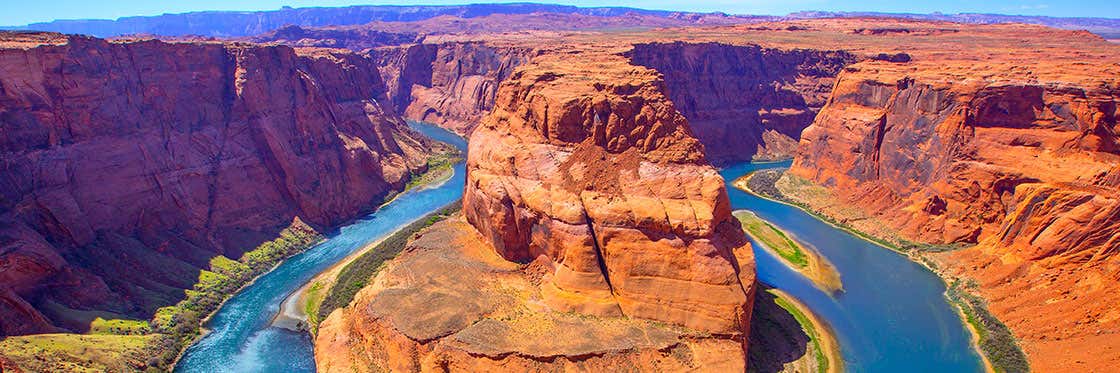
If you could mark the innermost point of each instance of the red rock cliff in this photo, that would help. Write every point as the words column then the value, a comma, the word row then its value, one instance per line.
column 450, row 84
column 744, row 102
column 595, row 172
column 126, row 166
column 1023, row 162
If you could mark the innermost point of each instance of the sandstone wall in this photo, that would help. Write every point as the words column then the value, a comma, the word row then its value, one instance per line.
column 127, row 166
column 1027, row 170
column 744, row 102
column 451, row 84
column 597, row 174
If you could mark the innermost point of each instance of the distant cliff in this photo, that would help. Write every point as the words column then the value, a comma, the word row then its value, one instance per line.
column 744, row 102
column 127, row 166
column 450, row 84
column 236, row 24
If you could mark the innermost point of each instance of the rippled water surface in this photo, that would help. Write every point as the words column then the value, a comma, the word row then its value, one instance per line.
column 892, row 317
column 241, row 338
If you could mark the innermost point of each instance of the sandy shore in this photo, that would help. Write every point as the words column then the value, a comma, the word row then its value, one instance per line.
column 974, row 338
column 293, row 310
column 818, row 269
column 820, row 332
column 742, row 183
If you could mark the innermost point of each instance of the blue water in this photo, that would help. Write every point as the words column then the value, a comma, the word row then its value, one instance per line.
column 241, row 338
column 892, row 317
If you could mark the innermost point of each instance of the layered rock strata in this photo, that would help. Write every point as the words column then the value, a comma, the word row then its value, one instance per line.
column 1022, row 164
column 452, row 84
column 128, row 165
column 597, row 173
column 450, row 303
column 744, row 102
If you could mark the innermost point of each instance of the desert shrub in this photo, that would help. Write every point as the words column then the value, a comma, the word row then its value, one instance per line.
column 357, row 274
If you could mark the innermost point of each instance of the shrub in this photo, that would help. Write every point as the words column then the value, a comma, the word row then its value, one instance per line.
column 357, row 274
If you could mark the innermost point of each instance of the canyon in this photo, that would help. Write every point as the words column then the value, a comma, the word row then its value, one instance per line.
column 128, row 165
column 1018, row 166
column 1007, row 149
column 595, row 231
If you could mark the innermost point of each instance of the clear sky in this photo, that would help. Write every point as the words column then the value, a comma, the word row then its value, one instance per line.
column 20, row 12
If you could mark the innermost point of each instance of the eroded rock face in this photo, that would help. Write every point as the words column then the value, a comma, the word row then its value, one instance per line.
column 127, row 166
column 949, row 159
column 1027, row 171
column 744, row 102
column 598, row 174
column 452, row 84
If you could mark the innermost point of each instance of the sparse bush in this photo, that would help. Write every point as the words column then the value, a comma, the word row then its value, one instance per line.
column 357, row 274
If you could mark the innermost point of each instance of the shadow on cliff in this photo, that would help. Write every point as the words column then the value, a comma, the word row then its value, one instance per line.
column 776, row 337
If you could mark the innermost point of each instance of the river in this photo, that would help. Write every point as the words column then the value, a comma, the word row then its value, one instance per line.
column 241, row 337
column 892, row 317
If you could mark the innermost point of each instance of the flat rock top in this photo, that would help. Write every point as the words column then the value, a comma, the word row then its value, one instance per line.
column 940, row 51
column 30, row 39
column 450, row 285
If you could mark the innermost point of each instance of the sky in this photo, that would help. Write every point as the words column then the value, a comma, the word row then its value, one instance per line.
column 21, row 12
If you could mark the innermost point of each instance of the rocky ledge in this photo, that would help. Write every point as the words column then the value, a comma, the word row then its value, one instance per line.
column 449, row 302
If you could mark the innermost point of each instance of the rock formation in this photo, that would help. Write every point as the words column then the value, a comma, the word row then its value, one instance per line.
column 744, row 102
column 588, row 185
column 598, row 173
column 128, row 165
column 450, row 84
column 1022, row 163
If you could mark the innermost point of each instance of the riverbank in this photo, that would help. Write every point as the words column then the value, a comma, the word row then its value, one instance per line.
column 796, row 255
column 787, row 336
column 299, row 311
column 1000, row 354
column 159, row 343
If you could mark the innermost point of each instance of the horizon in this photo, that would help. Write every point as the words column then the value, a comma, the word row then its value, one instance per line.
column 31, row 13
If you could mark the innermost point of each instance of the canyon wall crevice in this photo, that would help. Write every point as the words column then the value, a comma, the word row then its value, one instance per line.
column 128, row 165
column 744, row 102
column 453, row 85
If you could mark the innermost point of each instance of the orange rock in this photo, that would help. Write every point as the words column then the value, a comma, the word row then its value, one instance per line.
column 1014, row 155
column 450, row 303
column 597, row 171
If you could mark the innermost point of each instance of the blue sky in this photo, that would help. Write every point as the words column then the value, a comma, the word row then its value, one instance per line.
column 19, row 12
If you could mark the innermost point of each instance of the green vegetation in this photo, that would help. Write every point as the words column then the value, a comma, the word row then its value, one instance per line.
column 315, row 294
column 81, row 352
column 119, row 327
column 118, row 345
column 810, row 329
column 996, row 340
column 357, row 274
column 774, row 238
column 439, row 165
column 181, row 324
